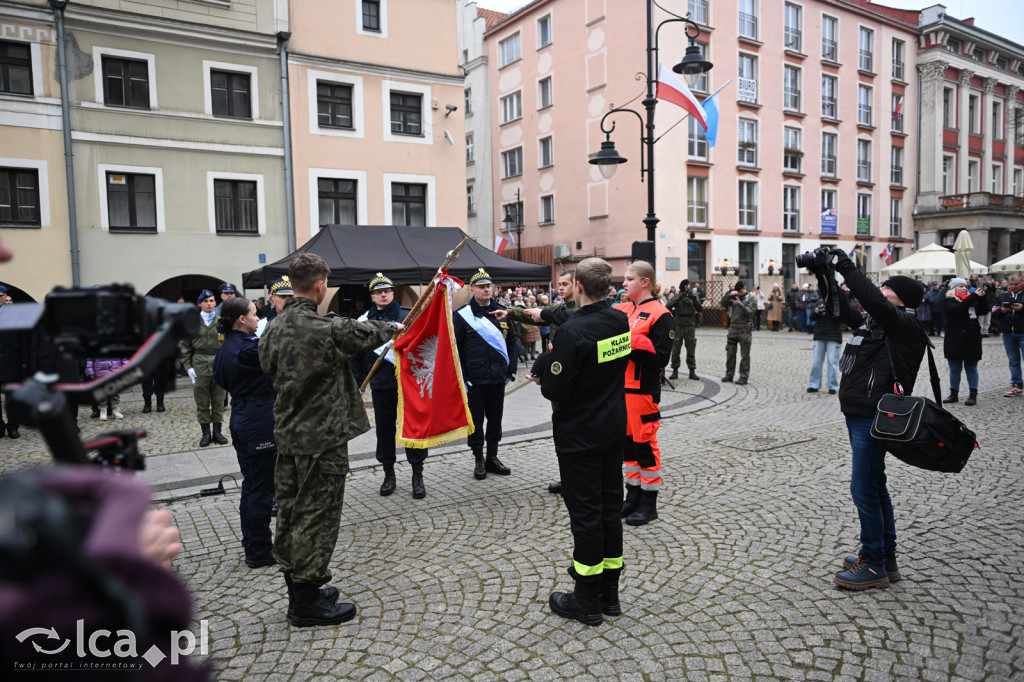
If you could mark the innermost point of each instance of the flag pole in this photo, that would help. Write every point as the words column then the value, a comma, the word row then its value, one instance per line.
column 414, row 312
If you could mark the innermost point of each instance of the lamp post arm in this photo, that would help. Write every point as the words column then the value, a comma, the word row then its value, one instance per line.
column 643, row 136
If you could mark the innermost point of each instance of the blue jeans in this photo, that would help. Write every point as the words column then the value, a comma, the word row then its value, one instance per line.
column 968, row 366
column 796, row 318
column 809, row 321
column 870, row 495
column 1014, row 345
column 821, row 350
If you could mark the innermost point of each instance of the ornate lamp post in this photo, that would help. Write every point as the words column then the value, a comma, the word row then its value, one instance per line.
column 513, row 222
column 608, row 159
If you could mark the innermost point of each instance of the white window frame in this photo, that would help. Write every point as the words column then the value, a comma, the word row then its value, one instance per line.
column 540, row 209
column 261, row 199
column 42, row 171
column 797, row 30
column 470, row 198
column 834, row 100
column 694, row 207
column 158, row 182
column 973, row 114
column 254, row 88
column 501, row 53
column 790, row 211
column 429, row 180
column 864, row 200
column 835, row 38
column 797, row 134
column 470, row 149
column 948, row 107
column 948, row 175
column 383, row 32
column 998, row 124
column 997, row 178
column 754, row 14
column 356, row 83
column 550, row 80
column 973, row 181
column 870, row 32
column 336, row 174
column 511, row 99
column 865, row 115
column 98, row 52
column 551, row 35
column 741, row 134
column 831, row 194
column 696, row 141
column 504, row 164
column 36, row 57
column 893, row 166
column 864, row 163
column 895, row 217
column 540, row 151
column 426, row 111
column 787, row 69
column 834, row 136
column 741, row 210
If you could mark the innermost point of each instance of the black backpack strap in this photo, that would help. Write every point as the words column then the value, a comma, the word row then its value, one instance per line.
column 932, row 370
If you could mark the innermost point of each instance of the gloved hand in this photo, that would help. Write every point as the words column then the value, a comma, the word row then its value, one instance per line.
column 641, row 342
column 192, row 374
column 839, row 255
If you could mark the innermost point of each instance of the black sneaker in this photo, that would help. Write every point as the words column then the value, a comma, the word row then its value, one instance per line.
column 862, row 576
column 811, row 390
column 891, row 567
column 260, row 563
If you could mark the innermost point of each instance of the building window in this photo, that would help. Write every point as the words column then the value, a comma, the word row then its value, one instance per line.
column 896, row 175
column 125, row 83
column 512, row 107
column 866, row 52
column 897, row 116
column 406, row 114
column 948, row 179
column 997, row 178
column 864, row 214
column 791, row 152
column 828, row 155
column 747, row 143
column 1018, row 182
column 229, row 94
column 131, row 201
column 828, row 199
column 897, row 59
column 1018, row 126
column 19, row 197
column 544, row 31
column 747, row 205
column 702, row 81
column 469, row 147
column 509, row 50
column 972, row 176
column 895, row 217
column 547, row 152
column 697, row 202
column 747, row 258
column 791, row 88
column 828, row 97
column 972, row 115
column 468, row 101
column 334, row 105
column 829, row 38
column 746, row 84
column 408, row 204
column 953, row 45
column 547, row 210
column 698, row 10
column 1001, row 63
column 948, row 117
column 863, row 160
column 791, row 209
column 470, row 200
column 15, row 68
column 997, row 120
column 544, row 94
column 978, row 55
column 512, row 162
column 748, row 18
column 337, row 201
column 863, row 105
column 792, row 35
column 697, row 144
column 371, row 15
column 235, row 207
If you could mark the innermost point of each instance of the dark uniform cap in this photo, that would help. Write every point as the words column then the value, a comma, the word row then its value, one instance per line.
column 205, row 293
column 282, row 287
column 228, row 287
column 380, row 282
column 480, row 277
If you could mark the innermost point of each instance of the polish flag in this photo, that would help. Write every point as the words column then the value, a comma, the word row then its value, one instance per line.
column 500, row 243
column 896, row 111
column 671, row 89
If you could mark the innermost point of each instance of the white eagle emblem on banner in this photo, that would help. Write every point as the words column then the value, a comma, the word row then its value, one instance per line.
column 421, row 363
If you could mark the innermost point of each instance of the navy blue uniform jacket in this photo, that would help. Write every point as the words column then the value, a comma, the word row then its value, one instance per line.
column 236, row 369
column 384, row 377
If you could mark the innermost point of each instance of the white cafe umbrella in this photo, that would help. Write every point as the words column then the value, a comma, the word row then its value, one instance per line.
column 1013, row 264
column 931, row 260
column 962, row 253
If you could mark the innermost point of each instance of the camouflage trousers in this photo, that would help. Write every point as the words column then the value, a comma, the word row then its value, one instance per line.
column 685, row 334
column 741, row 337
column 309, row 490
column 209, row 399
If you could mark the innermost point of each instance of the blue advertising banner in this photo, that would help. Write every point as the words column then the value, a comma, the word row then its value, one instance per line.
column 829, row 221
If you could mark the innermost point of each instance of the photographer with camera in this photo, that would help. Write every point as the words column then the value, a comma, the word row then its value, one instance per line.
column 742, row 310
column 867, row 376
column 684, row 306
column 1010, row 305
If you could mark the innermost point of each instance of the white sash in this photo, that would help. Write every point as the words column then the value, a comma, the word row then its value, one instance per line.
column 390, row 355
column 488, row 331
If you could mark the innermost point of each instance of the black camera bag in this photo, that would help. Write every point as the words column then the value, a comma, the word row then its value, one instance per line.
column 918, row 431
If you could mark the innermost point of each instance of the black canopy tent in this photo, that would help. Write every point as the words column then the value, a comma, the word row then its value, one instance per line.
column 408, row 255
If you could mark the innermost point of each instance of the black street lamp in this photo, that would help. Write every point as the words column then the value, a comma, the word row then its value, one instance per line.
column 514, row 223
column 608, row 159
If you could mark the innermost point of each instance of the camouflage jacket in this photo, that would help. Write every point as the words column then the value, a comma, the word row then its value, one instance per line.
column 307, row 356
column 517, row 314
column 684, row 306
column 741, row 316
column 198, row 353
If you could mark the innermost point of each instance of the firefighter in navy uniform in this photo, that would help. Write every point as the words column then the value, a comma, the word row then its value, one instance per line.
column 488, row 352
column 583, row 378
column 384, row 389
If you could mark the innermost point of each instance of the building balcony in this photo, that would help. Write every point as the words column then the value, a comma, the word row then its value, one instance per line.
column 976, row 200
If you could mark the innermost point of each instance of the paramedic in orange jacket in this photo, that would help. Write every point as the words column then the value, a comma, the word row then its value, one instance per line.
column 652, row 329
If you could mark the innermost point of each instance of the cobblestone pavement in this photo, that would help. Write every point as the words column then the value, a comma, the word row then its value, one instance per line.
column 732, row 582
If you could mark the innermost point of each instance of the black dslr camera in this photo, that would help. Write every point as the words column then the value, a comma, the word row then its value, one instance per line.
column 822, row 264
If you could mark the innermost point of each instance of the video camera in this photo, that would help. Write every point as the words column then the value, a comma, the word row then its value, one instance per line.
column 822, row 264
column 43, row 344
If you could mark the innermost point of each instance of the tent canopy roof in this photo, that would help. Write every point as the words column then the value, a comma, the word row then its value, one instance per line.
column 1014, row 263
column 930, row 260
column 408, row 255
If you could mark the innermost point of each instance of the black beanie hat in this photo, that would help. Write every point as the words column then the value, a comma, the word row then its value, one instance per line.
column 909, row 290
column 739, row 285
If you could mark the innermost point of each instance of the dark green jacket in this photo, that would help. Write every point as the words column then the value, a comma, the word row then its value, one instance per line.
column 684, row 306
column 198, row 353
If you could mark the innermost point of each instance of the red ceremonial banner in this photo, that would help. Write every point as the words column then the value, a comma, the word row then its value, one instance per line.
column 432, row 404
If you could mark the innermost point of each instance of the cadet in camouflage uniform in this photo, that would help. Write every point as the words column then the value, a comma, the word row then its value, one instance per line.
column 684, row 305
column 742, row 309
column 197, row 358
column 318, row 410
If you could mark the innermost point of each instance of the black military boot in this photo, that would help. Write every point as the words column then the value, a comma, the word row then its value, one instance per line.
column 693, row 375
column 972, row 399
column 329, row 593
column 493, row 464
column 610, row 592
column 160, row 404
column 479, row 471
column 646, row 511
column 675, row 373
column 953, row 397
column 582, row 604
column 147, row 405
column 555, row 488
column 632, row 500
column 206, row 439
column 310, row 607
column 218, row 437
column 419, row 491
column 389, row 484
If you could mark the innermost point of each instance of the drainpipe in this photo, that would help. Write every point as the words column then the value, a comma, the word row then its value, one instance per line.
column 69, row 164
column 917, row 190
column 289, row 195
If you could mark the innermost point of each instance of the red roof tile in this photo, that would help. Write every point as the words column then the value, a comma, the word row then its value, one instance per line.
column 492, row 17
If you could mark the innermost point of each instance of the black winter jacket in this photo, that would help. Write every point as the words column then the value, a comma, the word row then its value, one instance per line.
column 482, row 364
column 384, row 378
column 1013, row 320
column 826, row 327
column 963, row 334
column 871, row 377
